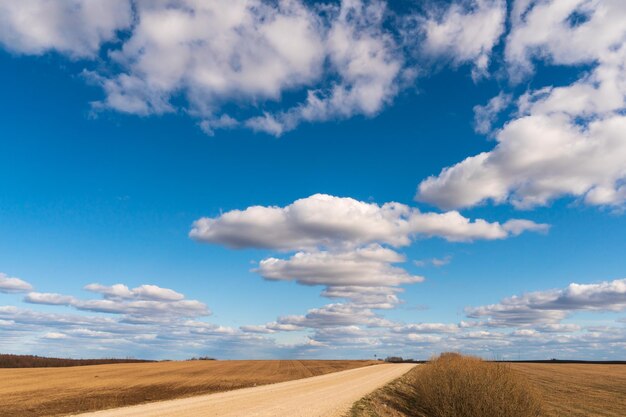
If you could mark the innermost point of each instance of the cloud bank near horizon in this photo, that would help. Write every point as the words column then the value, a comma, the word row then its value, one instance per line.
column 540, row 322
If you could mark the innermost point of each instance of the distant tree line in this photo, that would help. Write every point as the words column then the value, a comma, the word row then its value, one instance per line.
column 32, row 361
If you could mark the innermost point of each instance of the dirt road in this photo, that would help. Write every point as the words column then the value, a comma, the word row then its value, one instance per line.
column 329, row 395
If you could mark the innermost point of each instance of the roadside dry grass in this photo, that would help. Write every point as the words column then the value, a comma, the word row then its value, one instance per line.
column 60, row 391
column 578, row 390
column 455, row 386
column 565, row 390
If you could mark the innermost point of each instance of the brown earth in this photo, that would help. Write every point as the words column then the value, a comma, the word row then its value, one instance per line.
column 60, row 391
column 566, row 390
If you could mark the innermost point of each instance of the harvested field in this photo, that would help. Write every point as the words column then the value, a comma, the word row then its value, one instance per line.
column 566, row 390
column 579, row 390
column 60, row 391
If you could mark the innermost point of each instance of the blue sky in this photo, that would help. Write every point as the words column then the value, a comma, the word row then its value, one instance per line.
column 235, row 198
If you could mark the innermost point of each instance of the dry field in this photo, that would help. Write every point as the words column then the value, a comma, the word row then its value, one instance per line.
column 579, row 390
column 564, row 390
column 59, row 391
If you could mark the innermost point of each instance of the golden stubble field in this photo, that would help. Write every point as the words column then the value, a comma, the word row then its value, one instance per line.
column 579, row 390
column 59, row 391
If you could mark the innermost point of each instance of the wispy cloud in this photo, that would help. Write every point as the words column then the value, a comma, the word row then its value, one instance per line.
column 436, row 262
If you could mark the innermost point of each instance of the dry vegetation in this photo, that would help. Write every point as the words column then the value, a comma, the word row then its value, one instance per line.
column 59, row 391
column 30, row 361
column 564, row 390
column 579, row 390
column 455, row 386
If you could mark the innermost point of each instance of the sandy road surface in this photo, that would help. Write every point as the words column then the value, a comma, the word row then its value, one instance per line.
column 329, row 395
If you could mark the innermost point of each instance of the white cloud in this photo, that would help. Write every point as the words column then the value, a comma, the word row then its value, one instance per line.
column 550, row 307
column 74, row 27
column 544, row 29
column 10, row 285
column 328, row 221
column 143, row 292
column 466, row 31
column 369, row 266
column 364, row 57
column 83, row 335
column 141, row 304
column 427, row 328
column 333, row 315
column 208, row 126
column 364, row 276
column 342, row 57
column 370, row 297
column 436, row 262
column 566, row 140
column 485, row 116
column 340, row 328
column 55, row 336
column 558, row 328
column 223, row 52
column 539, row 158
column 49, row 298
column 214, row 51
column 340, row 243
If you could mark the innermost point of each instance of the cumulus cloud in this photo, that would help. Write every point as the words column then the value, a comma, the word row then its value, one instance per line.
column 567, row 140
column 341, row 243
column 143, row 292
column 466, row 31
column 214, row 51
column 221, row 52
column 371, row 297
column 141, row 304
column 539, row 158
column 364, row 57
column 427, row 328
column 369, row 266
column 328, row 221
column 334, row 315
column 73, row 27
column 549, row 30
column 9, row 285
column 342, row 57
column 364, row 276
column 548, row 308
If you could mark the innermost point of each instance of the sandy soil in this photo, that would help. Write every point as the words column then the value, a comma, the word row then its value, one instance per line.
column 329, row 395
